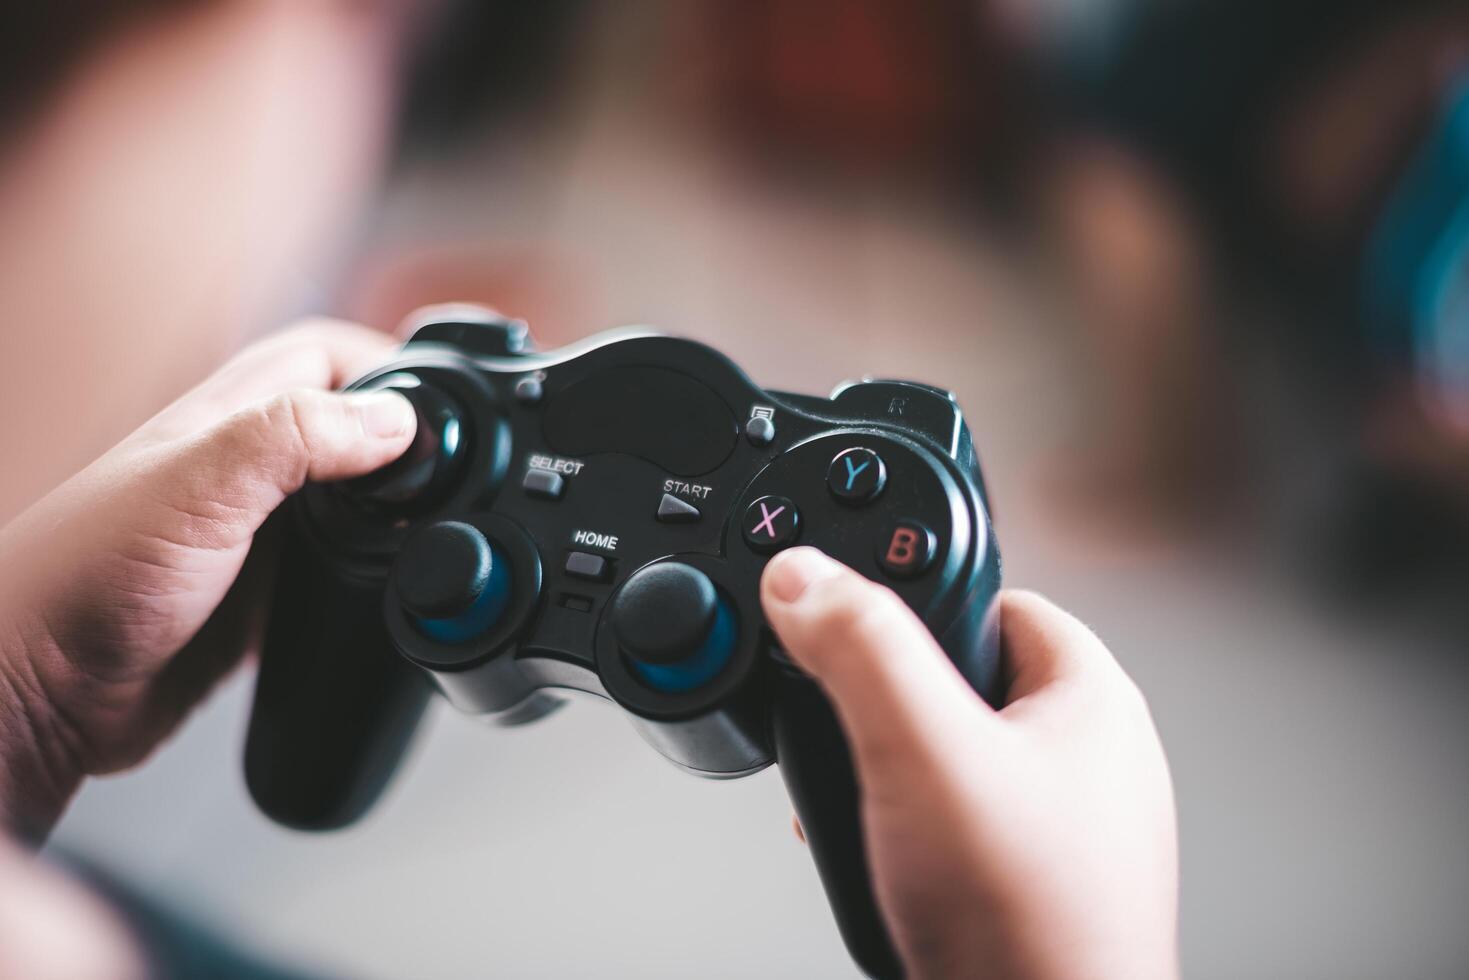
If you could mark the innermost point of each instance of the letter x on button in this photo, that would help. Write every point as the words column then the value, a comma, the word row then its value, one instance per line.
column 771, row 523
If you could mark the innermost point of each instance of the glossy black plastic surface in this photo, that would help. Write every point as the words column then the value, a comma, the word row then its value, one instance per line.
column 334, row 703
column 647, row 440
column 654, row 413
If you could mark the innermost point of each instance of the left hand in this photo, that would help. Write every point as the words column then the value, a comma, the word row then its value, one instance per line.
column 122, row 598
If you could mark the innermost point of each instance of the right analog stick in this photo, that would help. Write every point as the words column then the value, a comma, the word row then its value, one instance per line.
column 673, row 626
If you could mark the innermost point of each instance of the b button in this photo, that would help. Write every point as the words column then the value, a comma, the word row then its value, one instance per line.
column 907, row 549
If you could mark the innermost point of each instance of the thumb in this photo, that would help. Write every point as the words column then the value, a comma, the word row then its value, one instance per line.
column 238, row 471
column 893, row 688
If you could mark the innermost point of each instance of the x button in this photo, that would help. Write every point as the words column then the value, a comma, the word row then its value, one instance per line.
column 771, row 523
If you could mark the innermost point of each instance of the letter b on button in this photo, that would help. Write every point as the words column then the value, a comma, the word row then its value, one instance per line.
column 906, row 549
column 900, row 547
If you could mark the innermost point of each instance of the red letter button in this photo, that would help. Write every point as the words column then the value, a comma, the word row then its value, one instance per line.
column 907, row 549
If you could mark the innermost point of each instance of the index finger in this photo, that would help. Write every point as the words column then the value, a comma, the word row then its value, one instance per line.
column 317, row 354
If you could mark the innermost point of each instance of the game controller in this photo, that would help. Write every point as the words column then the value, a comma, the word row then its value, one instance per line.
column 596, row 518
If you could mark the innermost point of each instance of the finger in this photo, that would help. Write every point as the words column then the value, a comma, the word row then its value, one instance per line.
column 1045, row 646
column 800, row 831
column 318, row 354
column 236, row 627
column 890, row 683
column 446, row 313
column 229, row 478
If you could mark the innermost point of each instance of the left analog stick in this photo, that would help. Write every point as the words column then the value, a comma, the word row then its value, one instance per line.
column 452, row 582
column 429, row 465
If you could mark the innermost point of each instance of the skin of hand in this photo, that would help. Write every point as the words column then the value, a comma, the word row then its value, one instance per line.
column 1038, row 841
column 125, row 593
column 53, row 928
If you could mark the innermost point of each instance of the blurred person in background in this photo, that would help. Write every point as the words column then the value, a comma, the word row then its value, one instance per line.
column 167, row 164
column 170, row 170
column 1263, row 205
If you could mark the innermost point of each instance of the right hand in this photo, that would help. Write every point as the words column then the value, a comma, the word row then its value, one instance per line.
column 1038, row 841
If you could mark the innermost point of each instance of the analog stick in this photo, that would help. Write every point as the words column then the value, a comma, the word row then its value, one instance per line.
column 452, row 582
column 673, row 626
column 429, row 465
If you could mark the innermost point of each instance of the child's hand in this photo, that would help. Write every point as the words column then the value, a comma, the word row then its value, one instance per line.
column 113, row 611
column 1038, row 841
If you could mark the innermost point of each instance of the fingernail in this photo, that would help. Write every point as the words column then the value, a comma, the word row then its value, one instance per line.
column 791, row 573
column 384, row 414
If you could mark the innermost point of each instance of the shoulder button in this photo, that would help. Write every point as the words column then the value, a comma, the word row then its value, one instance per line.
column 924, row 409
column 477, row 331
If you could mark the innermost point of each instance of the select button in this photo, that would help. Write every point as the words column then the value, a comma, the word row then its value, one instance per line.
column 544, row 484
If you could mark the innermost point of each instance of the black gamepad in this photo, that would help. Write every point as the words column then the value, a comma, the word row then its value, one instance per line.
column 597, row 518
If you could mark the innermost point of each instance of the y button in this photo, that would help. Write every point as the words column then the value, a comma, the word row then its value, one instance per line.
column 771, row 523
column 856, row 476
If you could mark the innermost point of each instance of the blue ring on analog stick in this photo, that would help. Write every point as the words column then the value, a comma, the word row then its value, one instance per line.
column 453, row 584
column 674, row 627
column 482, row 615
column 703, row 665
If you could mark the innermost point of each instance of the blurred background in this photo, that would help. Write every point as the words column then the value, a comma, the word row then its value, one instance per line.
column 1198, row 272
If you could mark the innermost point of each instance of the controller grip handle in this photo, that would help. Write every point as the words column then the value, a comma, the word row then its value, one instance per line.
column 816, row 765
column 335, row 705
